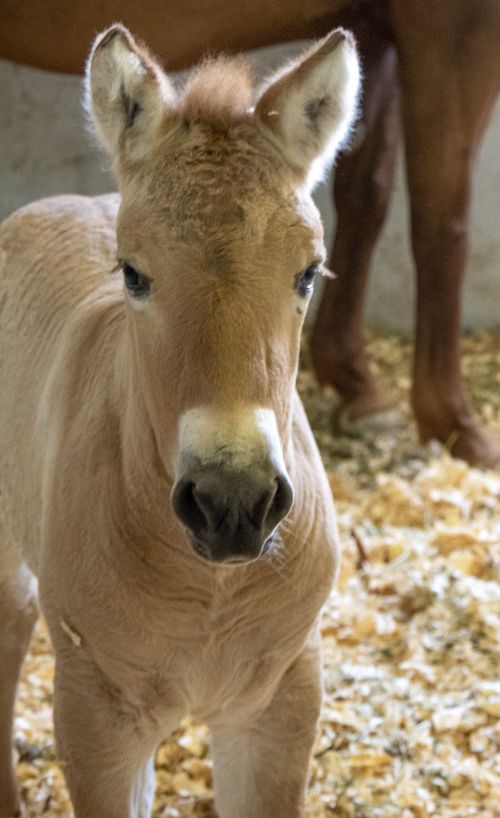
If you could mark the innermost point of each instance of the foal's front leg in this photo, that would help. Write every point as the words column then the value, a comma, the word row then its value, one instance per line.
column 18, row 613
column 104, row 742
column 261, row 768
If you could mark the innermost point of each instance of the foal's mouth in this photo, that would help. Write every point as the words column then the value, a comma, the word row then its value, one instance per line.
column 230, row 559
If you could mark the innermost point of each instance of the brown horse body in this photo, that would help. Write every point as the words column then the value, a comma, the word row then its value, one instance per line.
column 432, row 67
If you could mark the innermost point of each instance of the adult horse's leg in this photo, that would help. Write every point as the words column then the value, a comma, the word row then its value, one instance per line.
column 18, row 613
column 261, row 765
column 362, row 189
column 449, row 80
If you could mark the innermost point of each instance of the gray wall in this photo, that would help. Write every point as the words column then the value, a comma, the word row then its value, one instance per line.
column 44, row 150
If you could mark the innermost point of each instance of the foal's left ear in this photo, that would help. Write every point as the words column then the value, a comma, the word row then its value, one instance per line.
column 127, row 94
column 308, row 107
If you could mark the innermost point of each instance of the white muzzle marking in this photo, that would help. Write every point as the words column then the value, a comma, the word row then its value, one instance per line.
column 242, row 437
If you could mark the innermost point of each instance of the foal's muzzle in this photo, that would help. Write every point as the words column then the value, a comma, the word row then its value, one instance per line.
column 231, row 514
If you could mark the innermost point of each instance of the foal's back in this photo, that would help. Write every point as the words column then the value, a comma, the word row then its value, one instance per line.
column 55, row 254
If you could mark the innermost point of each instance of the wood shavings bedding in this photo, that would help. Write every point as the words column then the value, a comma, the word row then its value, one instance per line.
column 411, row 719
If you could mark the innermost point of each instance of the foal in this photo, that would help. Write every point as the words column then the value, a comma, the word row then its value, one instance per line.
column 152, row 442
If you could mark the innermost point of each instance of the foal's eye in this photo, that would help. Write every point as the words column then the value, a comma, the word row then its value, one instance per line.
column 136, row 284
column 304, row 281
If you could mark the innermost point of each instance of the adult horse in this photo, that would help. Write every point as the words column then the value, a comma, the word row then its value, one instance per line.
column 175, row 380
column 435, row 66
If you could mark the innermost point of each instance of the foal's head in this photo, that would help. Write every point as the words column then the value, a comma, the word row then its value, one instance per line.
column 220, row 243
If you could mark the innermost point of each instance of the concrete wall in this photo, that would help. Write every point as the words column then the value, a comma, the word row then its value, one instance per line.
column 44, row 151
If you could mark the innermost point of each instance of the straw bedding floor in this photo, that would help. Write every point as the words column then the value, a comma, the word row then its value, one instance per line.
column 411, row 719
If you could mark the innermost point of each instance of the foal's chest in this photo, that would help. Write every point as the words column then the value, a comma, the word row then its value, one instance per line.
column 228, row 654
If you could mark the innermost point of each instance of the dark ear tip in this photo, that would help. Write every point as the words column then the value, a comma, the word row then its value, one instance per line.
column 105, row 37
column 338, row 36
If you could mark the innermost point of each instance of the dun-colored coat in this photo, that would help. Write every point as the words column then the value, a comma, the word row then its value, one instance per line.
column 151, row 437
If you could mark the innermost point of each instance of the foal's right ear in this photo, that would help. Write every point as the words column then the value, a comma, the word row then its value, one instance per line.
column 127, row 94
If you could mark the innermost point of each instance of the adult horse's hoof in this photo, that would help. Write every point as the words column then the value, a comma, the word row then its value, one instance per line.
column 458, row 430
column 367, row 413
column 365, row 406
column 367, row 425
column 476, row 446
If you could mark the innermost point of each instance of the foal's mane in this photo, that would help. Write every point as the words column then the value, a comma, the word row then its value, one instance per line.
column 219, row 90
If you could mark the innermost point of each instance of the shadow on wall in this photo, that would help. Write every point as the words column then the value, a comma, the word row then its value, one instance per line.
column 44, row 151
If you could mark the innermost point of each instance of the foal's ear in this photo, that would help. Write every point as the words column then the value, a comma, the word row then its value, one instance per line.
column 308, row 107
column 127, row 94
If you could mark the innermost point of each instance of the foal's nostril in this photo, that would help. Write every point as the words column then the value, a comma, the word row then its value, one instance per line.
column 281, row 502
column 262, row 507
column 186, row 507
column 273, row 505
column 197, row 509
